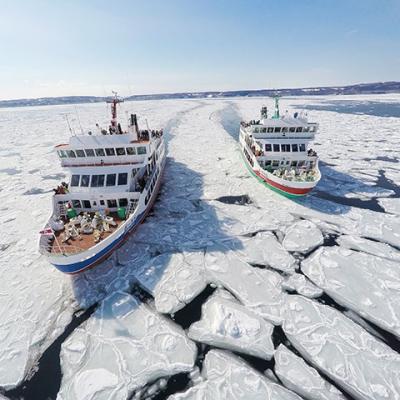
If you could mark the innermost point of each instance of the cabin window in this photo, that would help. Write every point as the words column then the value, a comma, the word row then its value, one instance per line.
column 312, row 128
column 295, row 148
column 111, row 179
column 86, row 204
column 85, row 180
column 306, row 129
column 268, row 147
column 275, row 163
column 299, row 129
column 110, row 152
column 120, row 151
column 112, row 203
column 255, row 130
column 97, row 181
column 277, row 129
column 130, row 151
column 80, row 153
column 102, row 203
column 94, row 203
column 270, row 130
column 100, row 152
column 76, row 204
column 267, row 162
column 292, row 129
column 293, row 163
column 302, row 147
column 141, row 150
column 71, row 154
column 301, row 163
column 75, row 180
column 276, row 147
column 285, row 147
column 89, row 152
column 62, row 154
column 284, row 129
column 122, row 178
column 263, row 130
column 123, row 202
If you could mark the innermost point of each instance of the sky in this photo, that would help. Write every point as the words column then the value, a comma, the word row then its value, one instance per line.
column 88, row 47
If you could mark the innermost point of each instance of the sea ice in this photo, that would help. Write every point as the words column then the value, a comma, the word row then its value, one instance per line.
column 227, row 324
column 228, row 377
column 296, row 375
column 302, row 237
column 368, row 285
column 300, row 284
column 123, row 346
column 362, row 365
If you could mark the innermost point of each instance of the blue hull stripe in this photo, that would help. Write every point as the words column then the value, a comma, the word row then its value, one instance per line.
column 79, row 266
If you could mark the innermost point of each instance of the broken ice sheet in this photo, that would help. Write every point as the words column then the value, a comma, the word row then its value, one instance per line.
column 174, row 279
column 296, row 375
column 227, row 324
column 123, row 346
column 360, row 364
column 229, row 377
column 300, row 284
column 302, row 237
column 368, row 285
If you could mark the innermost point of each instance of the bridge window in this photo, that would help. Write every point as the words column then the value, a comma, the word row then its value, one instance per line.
column 270, row 129
column 80, row 153
column 277, row 129
column 276, row 147
column 292, row 129
column 122, row 178
column 302, row 147
column 71, row 153
column 275, row 163
column 110, row 152
column 62, row 154
column 312, row 128
column 85, row 180
column 141, row 150
column 299, row 129
column 306, row 129
column 120, row 151
column 86, row 204
column 100, row 152
column 123, row 202
column 76, row 204
column 295, row 147
column 111, row 179
column 75, row 180
column 284, row 129
column 255, row 130
column 268, row 147
column 89, row 152
column 285, row 147
column 263, row 130
column 131, row 151
column 293, row 163
column 267, row 162
column 97, row 181
column 112, row 203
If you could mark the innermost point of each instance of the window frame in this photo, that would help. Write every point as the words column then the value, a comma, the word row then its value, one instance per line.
column 98, row 151
column 72, row 180
column 82, row 179
column 276, row 147
column 90, row 150
column 81, row 152
column 125, row 174
column 110, row 151
column 108, row 184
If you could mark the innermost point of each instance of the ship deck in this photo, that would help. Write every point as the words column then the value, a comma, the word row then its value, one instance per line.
column 83, row 241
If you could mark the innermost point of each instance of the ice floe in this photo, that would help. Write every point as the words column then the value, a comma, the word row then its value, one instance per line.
column 302, row 237
column 296, row 375
column 362, row 365
column 123, row 346
column 228, row 377
column 368, row 285
column 227, row 324
column 300, row 284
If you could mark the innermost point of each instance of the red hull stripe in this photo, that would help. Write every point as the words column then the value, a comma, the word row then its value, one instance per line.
column 282, row 187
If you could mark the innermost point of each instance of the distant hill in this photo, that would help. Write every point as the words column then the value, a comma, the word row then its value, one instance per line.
column 362, row 88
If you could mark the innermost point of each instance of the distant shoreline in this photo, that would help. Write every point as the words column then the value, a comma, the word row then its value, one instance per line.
column 362, row 88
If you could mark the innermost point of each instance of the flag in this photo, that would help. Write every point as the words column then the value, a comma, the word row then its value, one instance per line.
column 47, row 231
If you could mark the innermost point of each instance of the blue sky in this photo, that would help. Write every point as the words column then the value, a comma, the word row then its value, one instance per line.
column 55, row 48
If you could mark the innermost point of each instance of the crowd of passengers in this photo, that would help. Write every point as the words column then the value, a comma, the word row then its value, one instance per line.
column 143, row 134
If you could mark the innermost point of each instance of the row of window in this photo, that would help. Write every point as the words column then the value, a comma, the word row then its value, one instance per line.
column 151, row 185
column 110, row 203
column 294, row 163
column 109, row 151
column 99, row 180
column 285, row 147
column 278, row 129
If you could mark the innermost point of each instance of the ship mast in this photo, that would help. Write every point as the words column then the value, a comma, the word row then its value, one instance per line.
column 114, row 101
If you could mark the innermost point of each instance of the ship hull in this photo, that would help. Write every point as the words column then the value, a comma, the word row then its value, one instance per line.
column 76, row 263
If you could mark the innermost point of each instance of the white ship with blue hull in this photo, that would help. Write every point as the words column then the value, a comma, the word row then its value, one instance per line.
column 115, row 175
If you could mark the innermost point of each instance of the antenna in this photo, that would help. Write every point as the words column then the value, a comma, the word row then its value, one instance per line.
column 79, row 120
column 69, row 125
